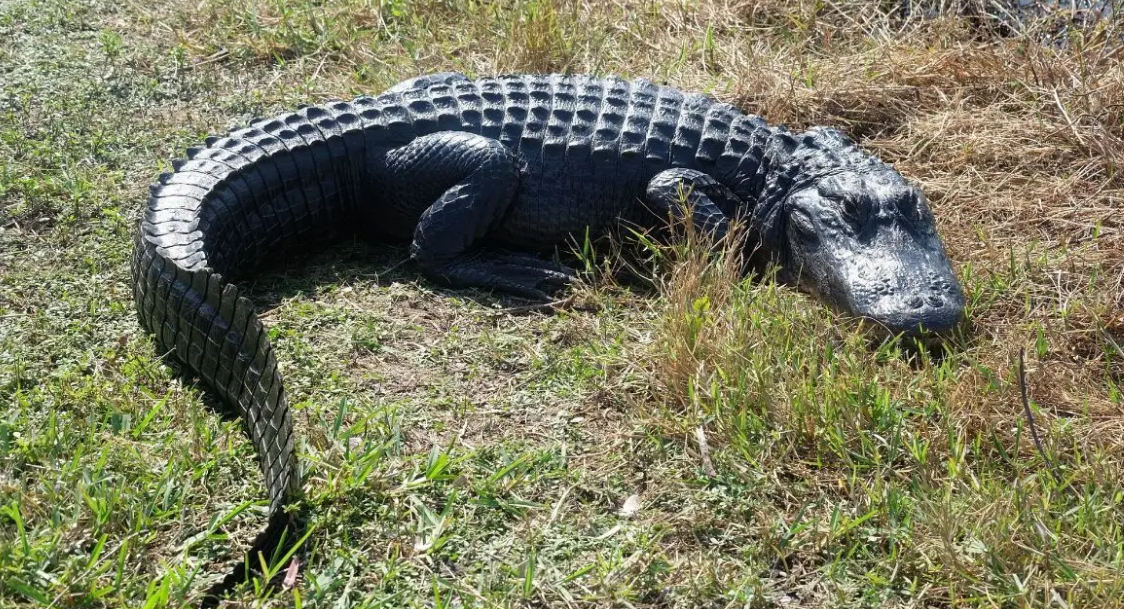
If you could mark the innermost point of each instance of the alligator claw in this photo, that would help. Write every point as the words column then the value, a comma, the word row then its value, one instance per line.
column 518, row 274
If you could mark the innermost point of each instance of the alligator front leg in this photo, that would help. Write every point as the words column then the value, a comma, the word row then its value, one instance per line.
column 710, row 203
column 477, row 178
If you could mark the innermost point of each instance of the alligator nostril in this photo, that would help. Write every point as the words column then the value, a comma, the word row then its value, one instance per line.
column 916, row 302
column 936, row 301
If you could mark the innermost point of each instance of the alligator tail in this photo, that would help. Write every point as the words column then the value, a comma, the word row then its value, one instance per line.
column 239, row 201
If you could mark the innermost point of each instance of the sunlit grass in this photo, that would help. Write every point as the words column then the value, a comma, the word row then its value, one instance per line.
column 460, row 455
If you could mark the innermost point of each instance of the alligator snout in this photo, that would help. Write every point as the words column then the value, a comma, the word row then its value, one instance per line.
column 911, row 307
column 891, row 293
column 910, row 289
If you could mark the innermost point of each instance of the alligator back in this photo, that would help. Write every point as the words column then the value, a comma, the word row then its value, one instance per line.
column 589, row 145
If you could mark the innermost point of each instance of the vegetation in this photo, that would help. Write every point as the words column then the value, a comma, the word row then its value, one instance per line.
column 708, row 442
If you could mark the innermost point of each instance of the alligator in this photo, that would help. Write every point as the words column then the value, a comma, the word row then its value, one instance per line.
column 481, row 177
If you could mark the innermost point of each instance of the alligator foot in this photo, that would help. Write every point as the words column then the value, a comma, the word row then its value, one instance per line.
column 516, row 273
column 709, row 203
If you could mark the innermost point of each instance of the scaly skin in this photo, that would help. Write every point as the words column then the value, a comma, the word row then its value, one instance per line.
column 480, row 175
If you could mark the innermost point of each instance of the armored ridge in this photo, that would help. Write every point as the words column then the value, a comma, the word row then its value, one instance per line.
column 477, row 176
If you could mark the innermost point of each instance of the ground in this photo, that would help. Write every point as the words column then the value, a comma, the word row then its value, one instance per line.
column 692, row 441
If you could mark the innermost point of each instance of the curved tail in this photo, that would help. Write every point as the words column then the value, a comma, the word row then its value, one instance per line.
column 243, row 198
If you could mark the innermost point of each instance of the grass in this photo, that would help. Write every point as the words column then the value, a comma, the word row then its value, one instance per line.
column 460, row 455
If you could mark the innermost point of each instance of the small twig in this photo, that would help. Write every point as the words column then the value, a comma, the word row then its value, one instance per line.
column 557, row 507
column 538, row 306
column 1030, row 419
column 291, row 573
column 392, row 268
column 219, row 55
column 316, row 73
column 704, row 452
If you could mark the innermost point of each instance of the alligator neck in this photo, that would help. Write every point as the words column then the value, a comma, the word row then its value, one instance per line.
column 771, row 181
column 794, row 161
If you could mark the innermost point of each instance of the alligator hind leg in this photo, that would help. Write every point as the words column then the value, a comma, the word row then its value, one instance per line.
column 710, row 203
column 475, row 179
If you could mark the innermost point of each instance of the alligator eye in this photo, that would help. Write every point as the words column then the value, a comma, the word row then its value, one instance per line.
column 853, row 210
column 915, row 208
column 804, row 227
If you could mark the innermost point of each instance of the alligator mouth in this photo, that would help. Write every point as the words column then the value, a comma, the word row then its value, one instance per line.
column 911, row 292
column 914, row 315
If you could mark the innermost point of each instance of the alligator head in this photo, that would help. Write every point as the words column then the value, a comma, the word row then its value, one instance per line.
column 861, row 238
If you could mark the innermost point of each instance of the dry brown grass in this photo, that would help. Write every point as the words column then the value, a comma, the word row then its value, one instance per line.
column 1018, row 144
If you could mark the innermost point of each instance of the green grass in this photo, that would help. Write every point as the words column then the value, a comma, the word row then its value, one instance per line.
column 460, row 455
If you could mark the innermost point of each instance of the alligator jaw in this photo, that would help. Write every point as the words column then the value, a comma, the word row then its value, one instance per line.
column 910, row 292
column 898, row 290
